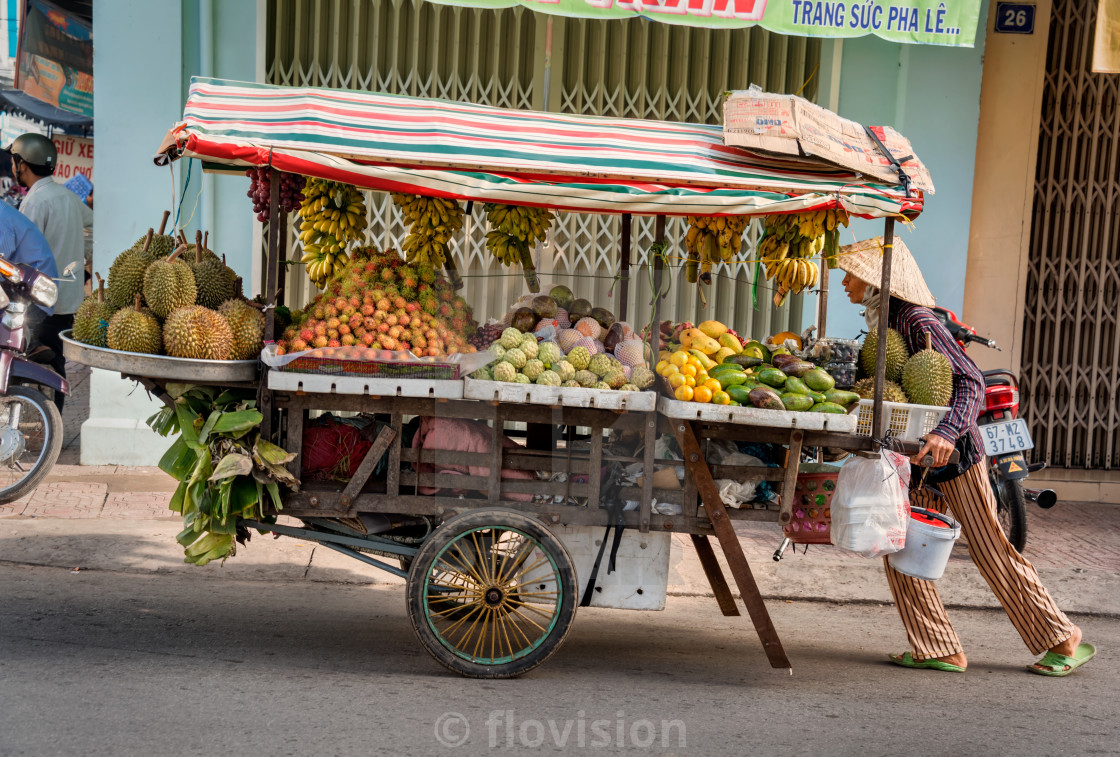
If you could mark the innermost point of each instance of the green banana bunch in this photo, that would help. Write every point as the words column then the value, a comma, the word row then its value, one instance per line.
column 334, row 215
column 711, row 239
column 432, row 222
column 514, row 229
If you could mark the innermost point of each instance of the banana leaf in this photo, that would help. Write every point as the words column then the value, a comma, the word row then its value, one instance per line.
column 233, row 464
column 238, row 423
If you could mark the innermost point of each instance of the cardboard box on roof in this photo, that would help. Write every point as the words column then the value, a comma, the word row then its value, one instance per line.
column 791, row 125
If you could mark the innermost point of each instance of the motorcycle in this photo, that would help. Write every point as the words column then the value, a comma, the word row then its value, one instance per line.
column 1006, row 439
column 30, row 424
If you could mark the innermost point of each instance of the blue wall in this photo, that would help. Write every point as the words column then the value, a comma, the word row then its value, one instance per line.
column 932, row 95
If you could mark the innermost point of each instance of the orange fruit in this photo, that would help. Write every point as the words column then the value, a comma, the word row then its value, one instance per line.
column 693, row 360
column 660, row 367
column 779, row 338
column 713, row 385
column 683, row 393
column 701, row 376
column 689, row 370
column 702, row 394
column 721, row 398
column 678, row 358
column 670, row 369
column 677, row 379
column 689, row 381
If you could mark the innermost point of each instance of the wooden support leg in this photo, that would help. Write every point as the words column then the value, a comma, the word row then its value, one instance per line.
column 789, row 481
column 369, row 462
column 715, row 575
column 729, row 541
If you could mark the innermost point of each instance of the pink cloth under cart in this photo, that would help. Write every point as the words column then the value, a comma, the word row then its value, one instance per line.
column 463, row 436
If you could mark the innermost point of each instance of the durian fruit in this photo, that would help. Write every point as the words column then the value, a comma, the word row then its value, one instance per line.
column 247, row 325
column 92, row 317
column 169, row 284
column 897, row 354
column 199, row 333
column 134, row 329
column 213, row 279
column 927, row 377
column 892, row 392
column 126, row 274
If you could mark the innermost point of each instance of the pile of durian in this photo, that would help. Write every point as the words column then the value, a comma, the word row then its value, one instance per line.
column 167, row 297
column 924, row 378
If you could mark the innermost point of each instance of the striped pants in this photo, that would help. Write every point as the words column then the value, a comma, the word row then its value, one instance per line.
column 1036, row 617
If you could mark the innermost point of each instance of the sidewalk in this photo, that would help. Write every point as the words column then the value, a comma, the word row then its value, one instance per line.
column 116, row 518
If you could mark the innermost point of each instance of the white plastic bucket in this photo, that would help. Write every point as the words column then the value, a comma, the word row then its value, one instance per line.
column 929, row 541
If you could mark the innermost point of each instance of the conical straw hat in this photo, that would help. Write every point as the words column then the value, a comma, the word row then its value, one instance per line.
column 864, row 260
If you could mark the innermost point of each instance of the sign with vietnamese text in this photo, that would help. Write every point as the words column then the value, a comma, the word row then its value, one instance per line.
column 931, row 22
column 75, row 156
column 56, row 58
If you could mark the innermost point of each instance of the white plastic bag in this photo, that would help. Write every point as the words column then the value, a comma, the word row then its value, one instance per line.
column 871, row 505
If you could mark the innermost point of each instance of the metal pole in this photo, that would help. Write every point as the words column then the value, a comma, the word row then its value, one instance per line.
column 624, row 270
column 884, row 314
column 272, row 265
column 658, row 272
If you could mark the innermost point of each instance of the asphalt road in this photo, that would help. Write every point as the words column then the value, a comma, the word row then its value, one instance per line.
column 96, row 663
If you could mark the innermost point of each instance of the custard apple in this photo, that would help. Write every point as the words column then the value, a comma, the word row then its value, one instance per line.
column 580, row 358
column 548, row 378
column 515, row 357
column 503, row 371
column 533, row 369
column 510, row 338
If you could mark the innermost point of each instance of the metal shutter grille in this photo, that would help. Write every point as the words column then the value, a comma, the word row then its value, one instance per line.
column 1071, row 354
column 627, row 69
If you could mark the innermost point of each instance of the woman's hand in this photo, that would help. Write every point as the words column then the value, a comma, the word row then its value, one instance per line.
column 938, row 446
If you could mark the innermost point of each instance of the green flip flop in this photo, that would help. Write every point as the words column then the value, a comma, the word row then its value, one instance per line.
column 907, row 660
column 1060, row 665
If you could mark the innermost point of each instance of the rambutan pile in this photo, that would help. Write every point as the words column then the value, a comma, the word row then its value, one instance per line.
column 380, row 303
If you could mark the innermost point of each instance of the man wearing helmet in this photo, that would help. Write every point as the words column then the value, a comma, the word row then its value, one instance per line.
column 62, row 218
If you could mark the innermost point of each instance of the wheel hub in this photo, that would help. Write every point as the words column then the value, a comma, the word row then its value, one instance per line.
column 494, row 596
column 11, row 444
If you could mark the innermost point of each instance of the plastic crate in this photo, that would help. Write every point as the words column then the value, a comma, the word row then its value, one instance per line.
column 811, row 521
column 904, row 421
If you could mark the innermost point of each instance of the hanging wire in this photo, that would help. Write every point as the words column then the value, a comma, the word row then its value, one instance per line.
column 187, row 183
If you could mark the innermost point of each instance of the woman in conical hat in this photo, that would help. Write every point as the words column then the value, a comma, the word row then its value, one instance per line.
column 965, row 486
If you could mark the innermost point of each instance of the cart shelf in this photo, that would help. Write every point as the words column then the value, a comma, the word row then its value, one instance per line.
column 753, row 416
column 566, row 396
column 357, row 385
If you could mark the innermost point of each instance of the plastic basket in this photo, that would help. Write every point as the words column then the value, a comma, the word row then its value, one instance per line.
column 812, row 509
column 903, row 421
column 373, row 368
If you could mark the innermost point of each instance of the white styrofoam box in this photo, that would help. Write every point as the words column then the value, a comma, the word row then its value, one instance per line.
column 568, row 396
column 904, row 421
column 641, row 576
column 374, row 387
column 755, row 416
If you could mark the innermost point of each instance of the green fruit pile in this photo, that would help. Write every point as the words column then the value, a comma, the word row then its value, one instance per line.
column 520, row 359
column 788, row 383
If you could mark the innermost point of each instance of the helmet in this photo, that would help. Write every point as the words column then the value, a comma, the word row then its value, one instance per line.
column 35, row 150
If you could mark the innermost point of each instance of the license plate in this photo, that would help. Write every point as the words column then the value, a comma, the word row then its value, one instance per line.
column 1006, row 436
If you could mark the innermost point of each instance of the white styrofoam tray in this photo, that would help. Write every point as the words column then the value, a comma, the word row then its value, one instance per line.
column 640, row 580
column 568, row 396
column 374, row 387
column 755, row 416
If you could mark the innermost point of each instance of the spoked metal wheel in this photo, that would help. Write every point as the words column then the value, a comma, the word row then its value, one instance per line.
column 492, row 593
column 30, row 440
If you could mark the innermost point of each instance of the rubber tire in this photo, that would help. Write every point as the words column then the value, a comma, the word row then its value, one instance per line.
column 52, row 448
column 432, row 547
column 1011, row 510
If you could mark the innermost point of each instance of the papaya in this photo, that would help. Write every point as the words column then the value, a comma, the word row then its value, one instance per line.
column 818, row 380
column 840, row 397
column 817, row 396
column 828, row 407
column 796, row 402
column 766, row 398
column 772, row 377
column 797, row 386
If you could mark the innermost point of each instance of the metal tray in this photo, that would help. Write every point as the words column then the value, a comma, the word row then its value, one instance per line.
column 356, row 385
column 160, row 366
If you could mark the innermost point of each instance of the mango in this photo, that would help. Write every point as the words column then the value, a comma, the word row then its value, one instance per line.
column 756, row 349
column 705, row 361
column 731, row 342
column 713, row 329
column 796, row 402
column 818, row 380
column 797, row 368
column 744, row 360
column 730, row 378
column 772, row 377
column 797, row 386
column 740, row 393
column 723, row 354
column 828, row 407
column 817, row 396
column 838, row 396
column 766, row 398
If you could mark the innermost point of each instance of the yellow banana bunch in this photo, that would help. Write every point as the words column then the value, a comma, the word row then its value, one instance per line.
column 333, row 215
column 712, row 239
column 432, row 222
column 514, row 229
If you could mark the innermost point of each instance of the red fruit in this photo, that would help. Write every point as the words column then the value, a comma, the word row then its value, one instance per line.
column 395, row 331
column 334, row 343
column 348, row 340
column 404, row 320
column 377, row 294
column 318, row 313
column 332, row 333
column 446, row 295
column 320, row 329
column 319, row 342
column 347, row 312
column 280, row 350
column 383, row 328
column 367, row 338
column 391, row 319
column 431, row 334
column 367, row 308
column 412, row 307
column 384, row 304
column 306, row 334
column 434, row 352
column 388, row 343
column 399, row 303
column 298, row 345
column 445, row 310
column 420, row 343
column 356, row 301
column 332, row 323
column 370, row 324
column 344, row 329
column 404, row 346
column 418, row 352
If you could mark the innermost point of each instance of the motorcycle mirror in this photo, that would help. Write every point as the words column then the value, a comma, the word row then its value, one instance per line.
column 68, row 272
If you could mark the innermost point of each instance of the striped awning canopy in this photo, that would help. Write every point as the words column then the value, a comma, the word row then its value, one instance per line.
column 475, row 152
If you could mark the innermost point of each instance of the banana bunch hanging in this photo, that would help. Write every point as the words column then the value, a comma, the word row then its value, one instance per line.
column 432, row 221
column 514, row 229
column 711, row 239
column 334, row 214
column 790, row 240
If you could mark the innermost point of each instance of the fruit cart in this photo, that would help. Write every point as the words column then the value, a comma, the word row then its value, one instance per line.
column 499, row 543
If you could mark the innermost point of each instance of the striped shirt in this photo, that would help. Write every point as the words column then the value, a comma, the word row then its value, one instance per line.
column 914, row 322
